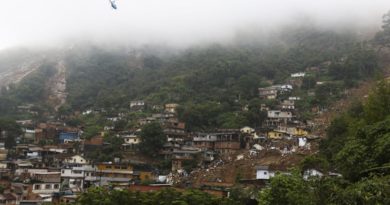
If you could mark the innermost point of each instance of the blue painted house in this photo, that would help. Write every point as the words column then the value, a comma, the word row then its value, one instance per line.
column 68, row 136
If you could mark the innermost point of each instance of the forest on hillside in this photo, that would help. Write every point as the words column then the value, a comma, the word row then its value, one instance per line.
column 212, row 83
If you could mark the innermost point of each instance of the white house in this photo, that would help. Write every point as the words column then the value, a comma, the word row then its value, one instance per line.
column 76, row 176
column 263, row 172
column 137, row 103
column 76, row 159
column 312, row 173
column 131, row 139
column 29, row 135
column 45, row 188
column 247, row 130
column 87, row 112
column 287, row 105
column 286, row 88
column 279, row 114
column 298, row 75
column 268, row 92
column 302, row 141
column 294, row 98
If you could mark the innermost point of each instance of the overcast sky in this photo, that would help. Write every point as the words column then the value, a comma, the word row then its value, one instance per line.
column 48, row 22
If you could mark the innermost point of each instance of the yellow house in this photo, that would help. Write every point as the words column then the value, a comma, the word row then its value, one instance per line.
column 115, row 170
column 275, row 135
column 110, row 166
column 292, row 131
column 145, row 175
column 300, row 132
column 171, row 107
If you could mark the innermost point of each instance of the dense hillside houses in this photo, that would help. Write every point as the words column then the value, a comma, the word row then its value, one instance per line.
column 58, row 161
column 241, row 122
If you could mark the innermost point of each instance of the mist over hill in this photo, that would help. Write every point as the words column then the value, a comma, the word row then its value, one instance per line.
column 110, row 76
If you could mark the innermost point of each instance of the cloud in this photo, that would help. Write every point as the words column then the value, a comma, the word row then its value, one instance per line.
column 177, row 22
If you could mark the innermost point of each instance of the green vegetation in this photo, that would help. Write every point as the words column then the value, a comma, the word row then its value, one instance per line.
column 293, row 190
column 359, row 64
column 9, row 131
column 383, row 37
column 216, row 85
column 100, row 196
column 359, row 138
column 152, row 139
column 286, row 190
column 110, row 150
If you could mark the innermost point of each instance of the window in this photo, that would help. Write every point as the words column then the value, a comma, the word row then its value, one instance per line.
column 265, row 173
column 47, row 186
column 56, row 186
column 37, row 187
column 117, row 167
column 108, row 167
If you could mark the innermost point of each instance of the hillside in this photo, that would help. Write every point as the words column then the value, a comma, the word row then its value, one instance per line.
column 218, row 79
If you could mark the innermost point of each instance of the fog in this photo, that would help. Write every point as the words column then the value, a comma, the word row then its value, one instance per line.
column 171, row 22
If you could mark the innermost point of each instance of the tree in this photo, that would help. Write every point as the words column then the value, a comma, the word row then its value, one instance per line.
column 101, row 196
column 314, row 162
column 359, row 138
column 373, row 190
column 308, row 82
column 287, row 189
column 152, row 139
column 336, row 135
column 202, row 115
column 120, row 125
column 383, row 37
column 11, row 130
column 386, row 21
column 91, row 131
column 368, row 148
column 378, row 103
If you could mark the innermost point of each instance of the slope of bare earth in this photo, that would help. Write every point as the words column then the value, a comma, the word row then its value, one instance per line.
column 17, row 73
column 239, row 166
column 56, row 86
column 16, row 64
column 357, row 94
